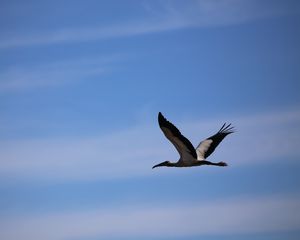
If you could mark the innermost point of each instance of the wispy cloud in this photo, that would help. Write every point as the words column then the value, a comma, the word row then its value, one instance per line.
column 164, row 16
column 86, row 34
column 231, row 216
column 260, row 138
column 59, row 73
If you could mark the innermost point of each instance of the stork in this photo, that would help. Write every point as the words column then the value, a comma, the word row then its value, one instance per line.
column 189, row 156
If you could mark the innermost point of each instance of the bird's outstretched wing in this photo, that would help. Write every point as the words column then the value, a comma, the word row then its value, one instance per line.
column 206, row 147
column 181, row 143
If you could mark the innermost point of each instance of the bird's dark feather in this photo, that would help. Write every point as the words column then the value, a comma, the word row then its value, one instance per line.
column 218, row 137
column 164, row 123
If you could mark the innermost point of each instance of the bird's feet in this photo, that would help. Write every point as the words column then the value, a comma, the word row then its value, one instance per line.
column 222, row 164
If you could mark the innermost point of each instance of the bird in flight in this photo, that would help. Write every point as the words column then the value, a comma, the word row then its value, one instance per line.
column 189, row 156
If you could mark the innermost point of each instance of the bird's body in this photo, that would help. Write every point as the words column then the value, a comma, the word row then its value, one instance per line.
column 189, row 156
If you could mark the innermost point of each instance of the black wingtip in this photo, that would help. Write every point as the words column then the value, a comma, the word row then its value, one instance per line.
column 222, row 127
column 161, row 119
column 227, row 129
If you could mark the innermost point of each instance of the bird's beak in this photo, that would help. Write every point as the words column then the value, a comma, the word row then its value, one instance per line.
column 155, row 166
column 158, row 165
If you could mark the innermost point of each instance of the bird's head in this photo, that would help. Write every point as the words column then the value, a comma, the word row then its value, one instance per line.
column 163, row 164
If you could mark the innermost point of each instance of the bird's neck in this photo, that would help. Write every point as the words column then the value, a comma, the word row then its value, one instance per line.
column 171, row 164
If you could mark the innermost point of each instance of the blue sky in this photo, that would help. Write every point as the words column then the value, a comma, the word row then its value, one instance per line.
column 81, row 84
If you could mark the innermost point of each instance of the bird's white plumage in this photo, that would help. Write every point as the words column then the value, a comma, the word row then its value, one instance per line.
column 202, row 148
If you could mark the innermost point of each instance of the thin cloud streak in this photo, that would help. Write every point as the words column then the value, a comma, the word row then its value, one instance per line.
column 86, row 34
column 167, row 16
column 258, row 139
column 18, row 78
column 231, row 216
column 120, row 155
